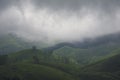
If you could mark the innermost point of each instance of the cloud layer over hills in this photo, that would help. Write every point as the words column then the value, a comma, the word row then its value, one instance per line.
column 54, row 21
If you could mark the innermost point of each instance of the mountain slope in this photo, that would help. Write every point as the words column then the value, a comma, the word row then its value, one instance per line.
column 107, row 69
column 32, row 72
column 88, row 51
column 26, row 55
column 36, row 56
column 110, row 64
column 83, row 56
column 11, row 43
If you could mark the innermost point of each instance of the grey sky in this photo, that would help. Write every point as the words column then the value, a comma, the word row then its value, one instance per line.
column 54, row 21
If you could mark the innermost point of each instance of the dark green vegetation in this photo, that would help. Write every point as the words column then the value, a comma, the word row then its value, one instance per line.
column 32, row 72
column 106, row 69
column 31, row 64
column 95, row 60
column 85, row 56
column 3, row 59
column 38, row 57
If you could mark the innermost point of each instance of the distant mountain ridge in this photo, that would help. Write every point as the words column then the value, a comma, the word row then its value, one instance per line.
column 11, row 43
column 111, row 39
column 89, row 51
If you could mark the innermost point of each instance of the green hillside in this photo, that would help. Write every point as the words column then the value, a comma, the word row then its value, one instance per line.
column 106, row 69
column 108, row 64
column 33, row 64
column 32, row 72
column 99, row 62
column 26, row 55
column 84, row 56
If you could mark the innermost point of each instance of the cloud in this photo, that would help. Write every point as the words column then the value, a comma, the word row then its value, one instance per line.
column 55, row 21
column 5, row 4
column 77, row 4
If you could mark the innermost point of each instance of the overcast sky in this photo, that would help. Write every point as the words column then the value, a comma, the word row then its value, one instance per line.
column 55, row 21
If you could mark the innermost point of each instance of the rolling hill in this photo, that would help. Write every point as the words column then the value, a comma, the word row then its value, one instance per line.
column 84, row 56
column 91, row 60
column 31, row 64
column 36, row 56
column 106, row 69
column 32, row 72
column 88, row 51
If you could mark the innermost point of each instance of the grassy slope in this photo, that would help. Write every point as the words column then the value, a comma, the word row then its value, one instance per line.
column 107, row 69
column 84, row 56
column 26, row 56
column 32, row 72
column 22, row 67
column 108, row 64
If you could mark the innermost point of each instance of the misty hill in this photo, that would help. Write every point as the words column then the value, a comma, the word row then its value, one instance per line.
column 83, row 53
column 110, row 39
column 106, row 40
column 84, row 56
column 11, row 43
column 88, row 51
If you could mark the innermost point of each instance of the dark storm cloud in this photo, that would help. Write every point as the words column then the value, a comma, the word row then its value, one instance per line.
column 77, row 4
column 104, row 7
column 4, row 4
